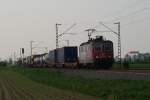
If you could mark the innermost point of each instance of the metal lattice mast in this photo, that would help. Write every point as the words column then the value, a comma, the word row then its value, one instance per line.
column 57, row 46
column 60, row 35
column 119, row 41
column 119, row 45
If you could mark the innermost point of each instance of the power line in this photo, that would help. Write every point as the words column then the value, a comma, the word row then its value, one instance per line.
column 137, row 2
column 136, row 21
column 133, row 13
column 119, row 40
column 118, row 18
column 60, row 35
column 65, row 32
column 120, row 11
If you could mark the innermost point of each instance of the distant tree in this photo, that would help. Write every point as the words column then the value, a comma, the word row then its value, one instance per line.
column 3, row 63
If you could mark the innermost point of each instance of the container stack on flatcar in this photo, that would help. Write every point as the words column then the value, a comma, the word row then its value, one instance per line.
column 50, row 58
column 67, row 56
column 62, row 57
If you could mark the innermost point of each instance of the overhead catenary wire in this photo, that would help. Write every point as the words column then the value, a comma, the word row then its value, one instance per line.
column 132, row 5
column 121, row 10
column 136, row 21
column 130, row 14
column 125, row 17
column 65, row 32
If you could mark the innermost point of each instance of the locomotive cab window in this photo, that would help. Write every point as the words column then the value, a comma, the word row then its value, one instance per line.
column 108, row 47
column 99, row 48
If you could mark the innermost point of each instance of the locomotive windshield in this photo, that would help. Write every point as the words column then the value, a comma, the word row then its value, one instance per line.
column 98, row 48
column 107, row 47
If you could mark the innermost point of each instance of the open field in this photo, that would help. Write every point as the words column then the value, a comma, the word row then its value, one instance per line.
column 133, row 66
column 140, row 66
column 14, row 86
column 101, row 88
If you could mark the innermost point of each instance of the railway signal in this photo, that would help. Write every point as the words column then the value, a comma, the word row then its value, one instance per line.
column 22, row 50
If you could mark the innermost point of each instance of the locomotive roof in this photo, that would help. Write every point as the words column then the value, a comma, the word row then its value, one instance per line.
column 100, row 39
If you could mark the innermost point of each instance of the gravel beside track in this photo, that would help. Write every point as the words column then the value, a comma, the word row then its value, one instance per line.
column 107, row 74
column 13, row 86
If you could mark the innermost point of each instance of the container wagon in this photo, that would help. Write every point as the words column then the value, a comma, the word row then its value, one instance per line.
column 39, row 60
column 67, row 57
column 50, row 58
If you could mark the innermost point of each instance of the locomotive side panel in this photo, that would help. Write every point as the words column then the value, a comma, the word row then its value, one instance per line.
column 85, row 54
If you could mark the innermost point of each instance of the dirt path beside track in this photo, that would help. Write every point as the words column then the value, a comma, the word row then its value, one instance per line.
column 13, row 86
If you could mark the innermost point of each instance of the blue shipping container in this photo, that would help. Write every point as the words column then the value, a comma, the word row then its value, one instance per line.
column 66, row 55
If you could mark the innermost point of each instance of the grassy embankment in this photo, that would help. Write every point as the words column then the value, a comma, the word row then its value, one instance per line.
column 133, row 66
column 121, row 89
column 140, row 66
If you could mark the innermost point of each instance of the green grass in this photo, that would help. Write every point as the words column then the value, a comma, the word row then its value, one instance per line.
column 140, row 66
column 122, row 89
column 133, row 66
column 14, row 86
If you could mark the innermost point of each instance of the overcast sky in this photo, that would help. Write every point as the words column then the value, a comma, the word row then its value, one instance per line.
column 24, row 20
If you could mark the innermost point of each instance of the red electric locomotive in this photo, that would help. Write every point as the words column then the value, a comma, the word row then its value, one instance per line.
column 96, row 53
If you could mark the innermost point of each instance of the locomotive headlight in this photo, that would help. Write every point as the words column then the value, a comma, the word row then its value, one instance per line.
column 97, row 57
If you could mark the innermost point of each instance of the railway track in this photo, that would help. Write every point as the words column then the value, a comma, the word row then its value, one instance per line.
column 106, row 74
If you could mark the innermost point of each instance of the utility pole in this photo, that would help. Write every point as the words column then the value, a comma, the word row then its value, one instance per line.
column 119, row 41
column 21, row 54
column 57, row 46
column 31, row 47
column 14, row 57
column 22, row 51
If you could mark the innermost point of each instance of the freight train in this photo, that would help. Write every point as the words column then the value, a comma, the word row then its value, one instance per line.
column 95, row 53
